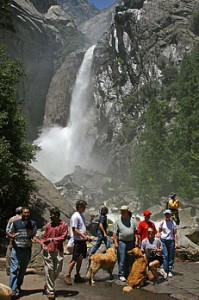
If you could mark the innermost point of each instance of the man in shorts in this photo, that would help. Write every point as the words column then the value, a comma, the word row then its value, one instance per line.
column 78, row 226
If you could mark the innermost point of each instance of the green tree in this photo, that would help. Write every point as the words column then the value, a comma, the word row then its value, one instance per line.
column 15, row 152
column 151, row 166
column 168, row 156
column 184, row 139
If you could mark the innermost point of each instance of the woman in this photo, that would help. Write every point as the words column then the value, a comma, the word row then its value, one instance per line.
column 153, row 248
column 168, row 231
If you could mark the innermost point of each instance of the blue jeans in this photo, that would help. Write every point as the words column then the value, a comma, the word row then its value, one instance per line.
column 125, row 260
column 168, row 254
column 99, row 241
column 19, row 260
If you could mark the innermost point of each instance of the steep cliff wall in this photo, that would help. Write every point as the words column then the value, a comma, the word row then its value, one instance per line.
column 39, row 35
column 137, row 48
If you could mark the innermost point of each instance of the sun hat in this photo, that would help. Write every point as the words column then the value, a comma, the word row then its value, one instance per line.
column 124, row 207
column 167, row 211
column 146, row 212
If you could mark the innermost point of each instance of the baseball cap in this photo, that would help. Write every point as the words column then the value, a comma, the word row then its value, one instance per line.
column 124, row 207
column 167, row 211
column 146, row 212
column 18, row 210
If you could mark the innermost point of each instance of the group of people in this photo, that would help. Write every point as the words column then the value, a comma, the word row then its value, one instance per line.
column 157, row 243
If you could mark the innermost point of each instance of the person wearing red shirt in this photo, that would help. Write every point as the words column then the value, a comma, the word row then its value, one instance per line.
column 145, row 224
column 52, row 243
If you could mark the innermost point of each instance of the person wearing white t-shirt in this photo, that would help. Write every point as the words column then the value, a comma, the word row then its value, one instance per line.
column 78, row 226
column 168, row 231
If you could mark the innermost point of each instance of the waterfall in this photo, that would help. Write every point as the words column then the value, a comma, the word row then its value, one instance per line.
column 64, row 148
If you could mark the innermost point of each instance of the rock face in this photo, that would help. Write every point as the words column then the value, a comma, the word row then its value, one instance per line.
column 46, row 197
column 61, row 87
column 95, row 27
column 36, row 37
column 80, row 10
column 144, row 37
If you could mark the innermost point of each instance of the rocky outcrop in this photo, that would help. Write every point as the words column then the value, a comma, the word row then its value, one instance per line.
column 46, row 196
column 80, row 10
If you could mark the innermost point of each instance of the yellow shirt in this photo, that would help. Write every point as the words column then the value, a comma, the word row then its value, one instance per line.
column 173, row 204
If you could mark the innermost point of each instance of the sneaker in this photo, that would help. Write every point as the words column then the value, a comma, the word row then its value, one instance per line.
column 170, row 274
column 19, row 290
column 67, row 280
column 163, row 273
column 79, row 279
column 122, row 278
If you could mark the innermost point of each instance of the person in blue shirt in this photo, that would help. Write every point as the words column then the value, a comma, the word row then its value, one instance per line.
column 101, row 231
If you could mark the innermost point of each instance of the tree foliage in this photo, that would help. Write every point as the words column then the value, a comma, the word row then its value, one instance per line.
column 168, row 145
column 15, row 151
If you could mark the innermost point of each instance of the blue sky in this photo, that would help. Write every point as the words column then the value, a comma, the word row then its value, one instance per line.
column 102, row 3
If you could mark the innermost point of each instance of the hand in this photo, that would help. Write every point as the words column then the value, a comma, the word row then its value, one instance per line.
column 116, row 245
column 43, row 246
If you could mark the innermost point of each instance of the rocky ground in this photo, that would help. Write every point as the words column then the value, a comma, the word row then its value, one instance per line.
column 183, row 286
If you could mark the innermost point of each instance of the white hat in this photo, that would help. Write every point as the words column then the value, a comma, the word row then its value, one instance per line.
column 124, row 207
column 167, row 211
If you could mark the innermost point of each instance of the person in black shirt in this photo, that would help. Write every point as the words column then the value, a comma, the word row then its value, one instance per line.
column 101, row 231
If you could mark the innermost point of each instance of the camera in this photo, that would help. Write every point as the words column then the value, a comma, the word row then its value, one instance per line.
column 152, row 253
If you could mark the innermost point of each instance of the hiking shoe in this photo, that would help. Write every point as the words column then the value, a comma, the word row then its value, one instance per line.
column 170, row 274
column 163, row 273
column 67, row 280
column 122, row 278
column 79, row 279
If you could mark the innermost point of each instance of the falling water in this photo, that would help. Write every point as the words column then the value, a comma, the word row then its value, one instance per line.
column 64, row 148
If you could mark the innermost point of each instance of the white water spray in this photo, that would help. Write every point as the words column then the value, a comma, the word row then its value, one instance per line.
column 64, row 148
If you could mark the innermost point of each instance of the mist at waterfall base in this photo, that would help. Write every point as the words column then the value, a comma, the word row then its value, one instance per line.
column 64, row 148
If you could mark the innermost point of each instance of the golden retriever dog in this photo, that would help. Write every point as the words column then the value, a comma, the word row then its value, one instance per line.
column 138, row 271
column 5, row 292
column 104, row 261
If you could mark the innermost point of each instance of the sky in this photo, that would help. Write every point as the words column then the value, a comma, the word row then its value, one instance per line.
column 102, row 3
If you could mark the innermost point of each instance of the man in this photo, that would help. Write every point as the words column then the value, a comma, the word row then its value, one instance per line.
column 52, row 243
column 153, row 248
column 101, row 231
column 21, row 231
column 145, row 224
column 125, row 238
column 78, row 227
column 173, row 204
column 8, row 252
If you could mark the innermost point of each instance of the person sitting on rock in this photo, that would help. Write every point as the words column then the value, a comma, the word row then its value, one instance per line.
column 153, row 248
column 101, row 231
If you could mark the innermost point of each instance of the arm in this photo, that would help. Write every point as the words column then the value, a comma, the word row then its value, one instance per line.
column 137, row 239
column 11, row 231
column 63, row 235
column 84, row 236
column 115, row 241
column 175, row 237
column 102, row 229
